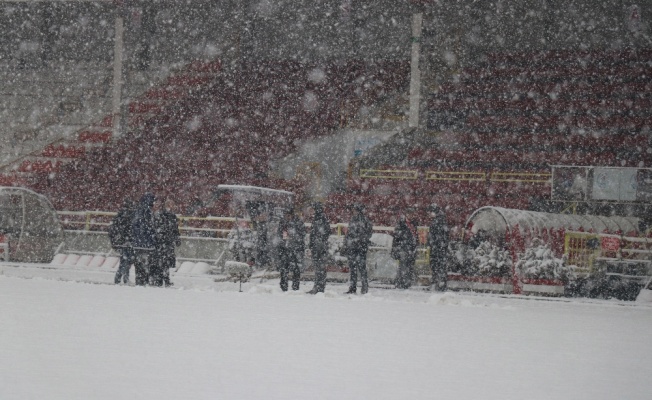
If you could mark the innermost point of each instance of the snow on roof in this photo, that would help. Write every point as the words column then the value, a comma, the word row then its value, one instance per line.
column 498, row 219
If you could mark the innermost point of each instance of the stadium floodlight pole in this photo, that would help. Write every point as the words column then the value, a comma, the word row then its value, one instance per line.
column 415, row 74
column 118, row 52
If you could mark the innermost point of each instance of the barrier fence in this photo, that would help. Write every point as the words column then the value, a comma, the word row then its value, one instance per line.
column 582, row 249
column 459, row 176
column 211, row 227
column 585, row 249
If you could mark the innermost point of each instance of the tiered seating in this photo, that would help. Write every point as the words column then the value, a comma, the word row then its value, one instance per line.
column 459, row 192
column 226, row 130
column 63, row 151
column 94, row 136
column 43, row 170
column 10, row 180
column 562, row 92
column 519, row 114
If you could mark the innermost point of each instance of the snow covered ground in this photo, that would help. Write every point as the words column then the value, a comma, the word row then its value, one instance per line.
column 62, row 337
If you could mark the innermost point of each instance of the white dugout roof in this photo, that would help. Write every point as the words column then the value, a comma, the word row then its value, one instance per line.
column 498, row 220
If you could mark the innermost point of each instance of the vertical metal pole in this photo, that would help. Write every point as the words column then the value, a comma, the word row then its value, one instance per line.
column 415, row 73
column 118, row 52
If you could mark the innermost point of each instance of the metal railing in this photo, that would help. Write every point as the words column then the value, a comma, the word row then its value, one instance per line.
column 216, row 227
column 521, row 177
column 388, row 174
column 458, row 176
column 464, row 176
column 211, row 227
column 583, row 249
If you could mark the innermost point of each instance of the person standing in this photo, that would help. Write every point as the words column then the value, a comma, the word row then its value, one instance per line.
column 167, row 238
column 120, row 237
column 261, row 256
column 319, row 233
column 404, row 250
column 438, row 239
column 356, row 244
column 274, row 243
column 144, row 237
column 292, row 235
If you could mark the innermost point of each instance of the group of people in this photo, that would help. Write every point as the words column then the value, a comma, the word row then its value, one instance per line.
column 406, row 241
column 404, row 248
column 145, row 235
column 356, row 245
column 281, row 245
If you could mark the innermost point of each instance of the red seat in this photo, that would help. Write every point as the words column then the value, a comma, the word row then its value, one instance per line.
column 95, row 136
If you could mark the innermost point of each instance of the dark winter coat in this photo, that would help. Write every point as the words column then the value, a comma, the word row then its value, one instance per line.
column 262, row 249
column 319, row 233
column 405, row 241
column 293, row 234
column 274, row 240
column 438, row 236
column 296, row 234
column 143, row 229
column 120, row 229
column 358, row 235
column 167, row 231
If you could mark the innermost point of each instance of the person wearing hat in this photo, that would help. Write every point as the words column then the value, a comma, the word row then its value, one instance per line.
column 356, row 244
column 438, row 238
column 320, row 231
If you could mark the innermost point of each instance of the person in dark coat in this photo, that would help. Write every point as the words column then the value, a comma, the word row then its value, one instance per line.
column 120, row 237
column 438, row 239
column 356, row 244
column 404, row 250
column 167, row 238
column 144, row 237
column 292, row 234
column 274, row 242
column 260, row 217
column 319, row 233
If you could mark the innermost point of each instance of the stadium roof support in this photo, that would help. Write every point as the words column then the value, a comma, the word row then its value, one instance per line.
column 415, row 73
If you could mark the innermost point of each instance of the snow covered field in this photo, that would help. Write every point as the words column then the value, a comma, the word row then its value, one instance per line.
column 67, row 339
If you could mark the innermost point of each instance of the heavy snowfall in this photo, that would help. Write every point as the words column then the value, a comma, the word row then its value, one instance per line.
column 484, row 167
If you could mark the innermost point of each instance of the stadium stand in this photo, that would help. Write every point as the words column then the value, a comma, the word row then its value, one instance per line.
column 502, row 124
column 203, row 126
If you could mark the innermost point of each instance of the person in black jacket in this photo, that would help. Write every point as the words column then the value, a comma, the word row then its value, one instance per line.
column 356, row 244
column 260, row 218
column 120, row 237
column 292, row 234
column 167, row 238
column 143, row 237
column 404, row 250
column 438, row 238
column 319, row 233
